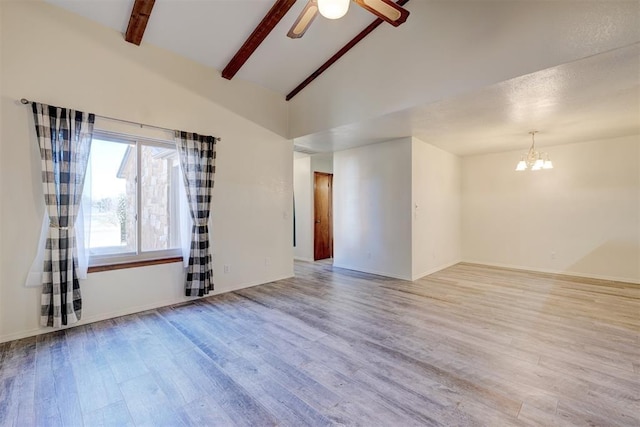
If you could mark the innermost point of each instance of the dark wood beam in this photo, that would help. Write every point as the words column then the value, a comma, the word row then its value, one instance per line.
column 138, row 21
column 268, row 23
column 364, row 33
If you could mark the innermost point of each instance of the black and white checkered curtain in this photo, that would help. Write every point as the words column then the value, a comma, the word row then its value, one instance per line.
column 64, row 137
column 198, row 162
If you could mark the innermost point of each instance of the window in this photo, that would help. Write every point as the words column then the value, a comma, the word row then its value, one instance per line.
column 132, row 194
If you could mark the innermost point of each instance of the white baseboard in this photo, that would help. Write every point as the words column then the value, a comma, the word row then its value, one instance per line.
column 371, row 271
column 435, row 269
column 303, row 259
column 130, row 310
column 395, row 276
column 92, row 319
column 253, row 283
column 555, row 271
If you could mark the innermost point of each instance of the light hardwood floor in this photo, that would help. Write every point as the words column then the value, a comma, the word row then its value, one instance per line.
column 470, row 345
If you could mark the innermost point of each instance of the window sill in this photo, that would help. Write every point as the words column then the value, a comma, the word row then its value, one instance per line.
column 134, row 264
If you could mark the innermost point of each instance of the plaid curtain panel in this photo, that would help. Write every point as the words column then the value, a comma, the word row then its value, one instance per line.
column 64, row 137
column 198, row 162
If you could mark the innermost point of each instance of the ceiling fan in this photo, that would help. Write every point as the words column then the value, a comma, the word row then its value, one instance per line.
column 386, row 10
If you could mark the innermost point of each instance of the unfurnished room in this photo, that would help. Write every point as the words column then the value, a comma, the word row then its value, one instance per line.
column 319, row 212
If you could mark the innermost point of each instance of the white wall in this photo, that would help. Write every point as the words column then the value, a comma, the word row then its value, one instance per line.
column 372, row 208
column 456, row 47
column 581, row 218
column 1, row 160
column 53, row 56
column 303, row 193
column 322, row 163
column 304, row 166
column 436, row 209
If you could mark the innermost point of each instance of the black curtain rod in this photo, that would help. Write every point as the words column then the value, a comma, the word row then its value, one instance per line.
column 26, row 101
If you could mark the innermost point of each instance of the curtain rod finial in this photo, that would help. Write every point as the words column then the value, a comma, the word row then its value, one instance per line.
column 24, row 101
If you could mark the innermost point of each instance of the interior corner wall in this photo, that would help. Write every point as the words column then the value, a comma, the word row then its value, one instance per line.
column 436, row 193
column 98, row 72
column 372, row 208
column 580, row 218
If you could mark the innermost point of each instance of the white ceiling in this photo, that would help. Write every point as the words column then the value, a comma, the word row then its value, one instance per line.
column 592, row 98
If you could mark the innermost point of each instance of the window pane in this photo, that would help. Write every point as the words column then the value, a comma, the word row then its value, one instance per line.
column 113, row 197
column 160, row 178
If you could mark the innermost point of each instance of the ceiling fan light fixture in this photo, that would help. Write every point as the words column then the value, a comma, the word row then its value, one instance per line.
column 386, row 10
column 333, row 9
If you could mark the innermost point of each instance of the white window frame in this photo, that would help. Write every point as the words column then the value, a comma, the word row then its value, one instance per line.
column 96, row 260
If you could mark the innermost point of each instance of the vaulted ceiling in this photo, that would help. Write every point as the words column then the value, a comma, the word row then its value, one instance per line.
column 210, row 32
column 468, row 76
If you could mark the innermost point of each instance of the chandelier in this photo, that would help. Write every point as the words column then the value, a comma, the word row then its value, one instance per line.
column 534, row 160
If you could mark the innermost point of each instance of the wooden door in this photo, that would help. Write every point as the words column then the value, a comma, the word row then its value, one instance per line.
column 323, row 222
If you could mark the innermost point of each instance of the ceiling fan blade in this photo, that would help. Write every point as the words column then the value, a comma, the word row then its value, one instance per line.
column 304, row 20
column 386, row 10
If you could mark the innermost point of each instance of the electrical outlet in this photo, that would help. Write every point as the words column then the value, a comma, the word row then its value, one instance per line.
column 267, row 262
column 227, row 269
column 553, row 255
column 368, row 255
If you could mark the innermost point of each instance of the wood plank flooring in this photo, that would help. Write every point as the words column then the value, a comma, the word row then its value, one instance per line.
column 467, row 346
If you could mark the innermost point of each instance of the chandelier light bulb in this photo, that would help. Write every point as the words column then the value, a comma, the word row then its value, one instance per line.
column 333, row 9
column 538, row 165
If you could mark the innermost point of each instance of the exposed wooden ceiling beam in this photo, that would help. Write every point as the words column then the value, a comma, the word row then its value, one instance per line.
column 364, row 33
column 138, row 21
column 268, row 23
